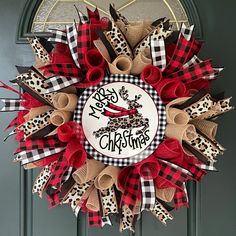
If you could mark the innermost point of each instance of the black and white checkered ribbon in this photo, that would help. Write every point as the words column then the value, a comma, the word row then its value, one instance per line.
column 186, row 31
column 148, row 191
column 57, row 83
column 209, row 166
column 12, row 105
column 58, row 36
column 34, row 155
column 195, row 60
column 71, row 33
column 106, row 221
column 158, row 52
column 83, row 19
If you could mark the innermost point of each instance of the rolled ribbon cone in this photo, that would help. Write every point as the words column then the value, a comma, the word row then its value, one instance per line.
column 65, row 132
column 75, row 154
column 142, row 60
column 121, row 65
column 93, row 202
column 94, row 76
column 93, row 58
column 181, row 132
column 176, row 116
column 59, row 118
column 107, row 178
column 209, row 128
column 65, row 102
column 134, row 32
column 151, row 75
column 35, row 111
column 165, row 194
column 170, row 89
column 88, row 171
column 149, row 168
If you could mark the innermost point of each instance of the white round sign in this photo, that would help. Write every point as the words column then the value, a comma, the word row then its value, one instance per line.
column 123, row 120
column 120, row 120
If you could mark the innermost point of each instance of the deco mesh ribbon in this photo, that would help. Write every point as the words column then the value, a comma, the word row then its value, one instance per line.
column 79, row 57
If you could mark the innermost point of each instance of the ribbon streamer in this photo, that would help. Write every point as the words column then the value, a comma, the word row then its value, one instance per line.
column 41, row 181
column 158, row 52
column 57, row 83
column 161, row 213
column 30, row 156
column 71, row 33
column 12, row 105
column 58, row 36
column 40, row 52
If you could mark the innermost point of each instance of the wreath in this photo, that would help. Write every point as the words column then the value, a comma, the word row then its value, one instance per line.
column 118, row 115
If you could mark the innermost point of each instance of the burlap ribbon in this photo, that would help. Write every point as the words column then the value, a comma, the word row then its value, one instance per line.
column 134, row 32
column 166, row 194
column 59, row 118
column 121, row 65
column 197, row 132
column 36, row 111
column 176, row 116
column 102, row 178
column 209, row 128
column 181, row 132
column 142, row 60
column 65, row 102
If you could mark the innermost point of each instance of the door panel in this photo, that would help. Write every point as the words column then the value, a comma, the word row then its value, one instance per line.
column 212, row 205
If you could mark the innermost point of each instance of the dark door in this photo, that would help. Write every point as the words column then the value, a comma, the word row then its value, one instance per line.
column 212, row 204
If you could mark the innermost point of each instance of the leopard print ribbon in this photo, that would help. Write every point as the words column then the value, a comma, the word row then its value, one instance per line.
column 199, row 109
column 95, row 182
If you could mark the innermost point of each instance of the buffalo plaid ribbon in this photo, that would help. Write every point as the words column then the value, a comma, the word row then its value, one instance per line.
column 94, row 219
column 71, row 33
column 57, row 83
column 194, row 72
column 158, row 52
column 46, row 142
column 197, row 172
column 172, row 174
column 12, row 105
column 195, row 48
column 195, row 60
column 132, row 188
column 67, row 70
column 59, row 174
column 181, row 197
column 58, row 36
column 148, row 190
column 83, row 41
column 93, row 15
column 180, row 55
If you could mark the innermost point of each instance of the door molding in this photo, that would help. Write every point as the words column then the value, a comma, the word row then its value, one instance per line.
column 31, row 6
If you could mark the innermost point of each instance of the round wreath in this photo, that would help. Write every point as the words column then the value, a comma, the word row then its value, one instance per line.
column 118, row 115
